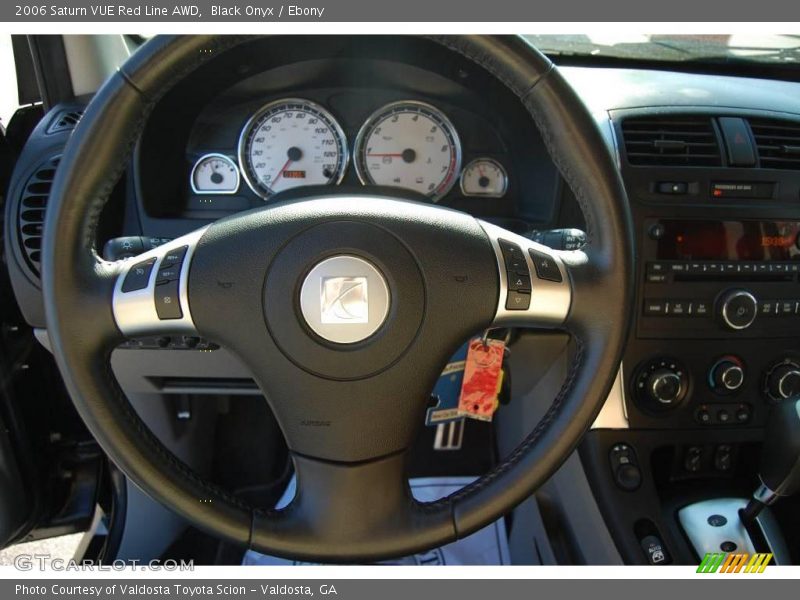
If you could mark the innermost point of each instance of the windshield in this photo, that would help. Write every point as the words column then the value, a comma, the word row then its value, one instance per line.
column 757, row 48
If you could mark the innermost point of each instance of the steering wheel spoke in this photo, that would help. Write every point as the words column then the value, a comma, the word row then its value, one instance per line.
column 352, row 508
column 151, row 294
column 535, row 286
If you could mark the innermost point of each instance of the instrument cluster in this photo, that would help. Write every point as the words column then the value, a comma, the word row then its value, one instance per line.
column 294, row 142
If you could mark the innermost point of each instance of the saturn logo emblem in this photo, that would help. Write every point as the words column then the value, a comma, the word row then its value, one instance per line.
column 344, row 300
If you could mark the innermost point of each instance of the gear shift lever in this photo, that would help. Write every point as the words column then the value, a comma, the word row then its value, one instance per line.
column 780, row 459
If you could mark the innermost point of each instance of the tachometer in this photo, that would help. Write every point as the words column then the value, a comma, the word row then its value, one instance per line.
column 411, row 145
column 290, row 143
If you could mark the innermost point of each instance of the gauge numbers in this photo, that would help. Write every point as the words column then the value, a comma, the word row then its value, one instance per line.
column 411, row 145
column 484, row 177
column 291, row 143
column 215, row 174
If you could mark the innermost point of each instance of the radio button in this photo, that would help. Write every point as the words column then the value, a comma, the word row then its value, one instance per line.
column 767, row 308
column 739, row 309
column 679, row 267
column 701, row 309
column 656, row 278
column 654, row 308
column 678, row 308
column 656, row 267
column 787, row 307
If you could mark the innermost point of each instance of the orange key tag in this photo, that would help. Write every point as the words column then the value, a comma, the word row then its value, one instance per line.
column 483, row 376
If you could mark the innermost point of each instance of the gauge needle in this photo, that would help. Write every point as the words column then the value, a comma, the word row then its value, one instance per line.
column 283, row 168
column 399, row 155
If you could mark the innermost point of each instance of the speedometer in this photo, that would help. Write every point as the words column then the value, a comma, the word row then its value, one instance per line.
column 291, row 143
column 411, row 145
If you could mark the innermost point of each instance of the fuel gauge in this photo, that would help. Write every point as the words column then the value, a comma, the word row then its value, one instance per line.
column 215, row 174
column 484, row 177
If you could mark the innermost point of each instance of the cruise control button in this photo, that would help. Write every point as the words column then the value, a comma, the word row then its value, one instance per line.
column 167, row 300
column 138, row 276
column 168, row 274
column 546, row 267
column 174, row 257
column 518, row 301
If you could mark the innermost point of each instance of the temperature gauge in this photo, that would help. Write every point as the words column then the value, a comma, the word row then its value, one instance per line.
column 215, row 174
column 484, row 177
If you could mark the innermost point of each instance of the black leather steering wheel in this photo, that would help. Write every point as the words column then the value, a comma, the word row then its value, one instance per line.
column 348, row 410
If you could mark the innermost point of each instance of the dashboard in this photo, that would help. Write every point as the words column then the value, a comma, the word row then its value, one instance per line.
column 350, row 112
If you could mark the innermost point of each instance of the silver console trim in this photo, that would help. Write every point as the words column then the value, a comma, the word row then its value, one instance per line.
column 614, row 414
column 135, row 312
column 550, row 300
column 705, row 537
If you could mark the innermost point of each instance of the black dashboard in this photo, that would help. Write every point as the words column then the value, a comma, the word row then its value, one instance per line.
column 485, row 155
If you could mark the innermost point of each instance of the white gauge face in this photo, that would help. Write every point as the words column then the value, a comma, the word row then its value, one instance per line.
column 215, row 174
column 292, row 143
column 484, row 177
column 409, row 145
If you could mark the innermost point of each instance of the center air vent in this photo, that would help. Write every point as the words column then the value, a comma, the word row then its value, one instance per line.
column 678, row 140
column 778, row 143
column 32, row 207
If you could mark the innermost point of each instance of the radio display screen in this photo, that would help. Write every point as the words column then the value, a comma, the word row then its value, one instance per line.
column 685, row 239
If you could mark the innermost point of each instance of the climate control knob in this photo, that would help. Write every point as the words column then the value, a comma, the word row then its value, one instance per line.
column 738, row 309
column 727, row 375
column 783, row 380
column 660, row 385
column 664, row 386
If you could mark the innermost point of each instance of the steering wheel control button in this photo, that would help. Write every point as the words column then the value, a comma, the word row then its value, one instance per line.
column 174, row 257
column 167, row 299
column 138, row 276
column 518, row 301
column 519, row 282
column 546, row 267
column 167, row 291
column 166, row 274
column 344, row 299
column 738, row 309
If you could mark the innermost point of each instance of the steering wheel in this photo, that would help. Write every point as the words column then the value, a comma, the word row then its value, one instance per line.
column 345, row 307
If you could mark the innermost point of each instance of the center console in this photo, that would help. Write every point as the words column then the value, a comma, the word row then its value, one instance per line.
column 720, row 312
column 713, row 345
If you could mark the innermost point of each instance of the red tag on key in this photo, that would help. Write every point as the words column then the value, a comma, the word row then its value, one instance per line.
column 482, row 379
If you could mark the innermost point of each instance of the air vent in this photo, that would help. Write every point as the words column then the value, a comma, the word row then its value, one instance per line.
column 680, row 140
column 778, row 143
column 32, row 207
column 64, row 121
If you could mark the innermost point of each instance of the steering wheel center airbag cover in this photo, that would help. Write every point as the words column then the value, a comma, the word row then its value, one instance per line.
column 314, row 336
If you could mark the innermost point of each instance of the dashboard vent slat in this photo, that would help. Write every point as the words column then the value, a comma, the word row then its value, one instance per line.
column 778, row 143
column 677, row 141
column 31, row 213
column 64, row 121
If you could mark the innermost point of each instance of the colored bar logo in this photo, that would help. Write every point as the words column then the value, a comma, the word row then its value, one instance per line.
column 723, row 562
